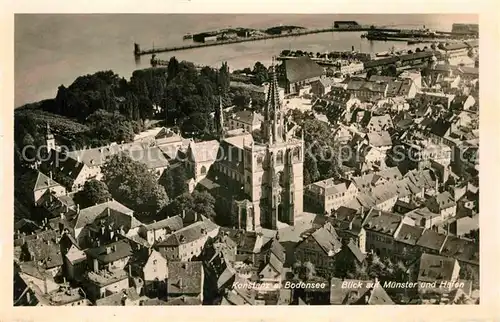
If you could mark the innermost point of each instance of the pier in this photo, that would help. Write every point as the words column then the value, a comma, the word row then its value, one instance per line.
column 138, row 52
column 387, row 34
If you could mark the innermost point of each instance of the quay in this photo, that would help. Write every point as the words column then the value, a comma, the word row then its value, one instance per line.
column 138, row 52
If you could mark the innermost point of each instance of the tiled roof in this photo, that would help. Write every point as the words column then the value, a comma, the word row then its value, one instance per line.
column 360, row 257
column 431, row 239
column 376, row 296
column 61, row 165
column 247, row 117
column 116, row 298
column 173, row 223
column 302, row 68
column 443, row 200
column 184, row 300
column 461, row 249
column 45, row 249
column 185, row 278
column 341, row 295
column 117, row 250
column 409, row 234
column 382, row 222
column 89, row 214
column 328, row 239
column 435, row 267
column 189, row 233
column 204, row 151
column 379, row 139
column 152, row 157
column 44, row 182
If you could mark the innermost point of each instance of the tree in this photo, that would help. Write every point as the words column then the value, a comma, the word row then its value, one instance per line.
column 131, row 183
column 390, row 70
column 260, row 73
column 201, row 203
column 173, row 68
column 175, row 181
column 94, row 192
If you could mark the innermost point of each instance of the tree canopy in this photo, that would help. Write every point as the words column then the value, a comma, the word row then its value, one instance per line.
column 94, row 192
column 131, row 183
column 202, row 203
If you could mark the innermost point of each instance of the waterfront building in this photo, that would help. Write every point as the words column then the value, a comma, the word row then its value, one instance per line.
column 299, row 72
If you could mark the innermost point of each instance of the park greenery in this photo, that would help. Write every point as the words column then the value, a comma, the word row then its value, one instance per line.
column 93, row 192
column 132, row 184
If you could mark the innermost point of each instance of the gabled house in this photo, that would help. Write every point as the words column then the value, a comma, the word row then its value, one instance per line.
column 188, row 242
column 36, row 184
column 150, row 266
column 185, row 279
column 299, row 72
column 200, row 157
column 68, row 172
column 436, row 268
column 271, row 269
column 358, row 292
column 319, row 247
column 443, row 204
column 44, row 252
column 159, row 230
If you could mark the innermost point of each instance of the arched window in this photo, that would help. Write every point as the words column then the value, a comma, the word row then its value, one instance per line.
column 296, row 154
column 260, row 159
column 203, row 170
column 279, row 157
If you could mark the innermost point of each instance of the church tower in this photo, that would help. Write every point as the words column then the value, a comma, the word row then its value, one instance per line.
column 50, row 142
column 273, row 124
column 274, row 167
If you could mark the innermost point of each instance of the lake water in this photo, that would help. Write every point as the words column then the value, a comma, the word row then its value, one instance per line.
column 51, row 50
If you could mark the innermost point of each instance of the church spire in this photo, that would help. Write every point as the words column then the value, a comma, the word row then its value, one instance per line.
column 219, row 119
column 273, row 115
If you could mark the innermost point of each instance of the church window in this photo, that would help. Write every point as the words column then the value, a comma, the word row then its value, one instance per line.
column 296, row 153
column 259, row 159
column 279, row 157
column 203, row 170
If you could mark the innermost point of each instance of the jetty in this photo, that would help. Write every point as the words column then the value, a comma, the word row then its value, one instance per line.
column 139, row 52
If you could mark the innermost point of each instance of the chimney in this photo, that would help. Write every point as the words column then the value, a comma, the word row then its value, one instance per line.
column 183, row 213
column 108, row 250
column 78, row 208
column 109, row 212
column 362, row 211
column 129, row 270
column 102, row 230
column 96, row 265
column 28, row 296
column 350, row 225
column 50, row 175
column 98, row 243
column 111, row 234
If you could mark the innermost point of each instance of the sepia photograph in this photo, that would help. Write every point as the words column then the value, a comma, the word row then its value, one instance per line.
column 246, row 159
